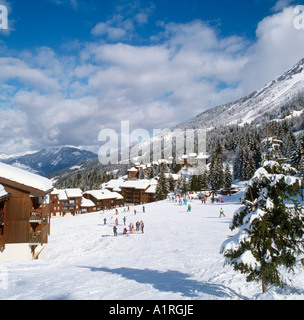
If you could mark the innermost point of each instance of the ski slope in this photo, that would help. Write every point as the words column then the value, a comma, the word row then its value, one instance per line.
column 176, row 258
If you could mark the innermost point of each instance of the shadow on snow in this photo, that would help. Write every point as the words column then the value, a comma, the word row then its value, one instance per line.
column 173, row 281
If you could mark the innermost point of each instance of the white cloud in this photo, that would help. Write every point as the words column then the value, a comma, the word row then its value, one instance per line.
column 188, row 68
column 105, row 28
column 279, row 46
column 123, row 24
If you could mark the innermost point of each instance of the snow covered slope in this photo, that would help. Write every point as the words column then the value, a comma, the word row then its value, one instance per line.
column 176, row 258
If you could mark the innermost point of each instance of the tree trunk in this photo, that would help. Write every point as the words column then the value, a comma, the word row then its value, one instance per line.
column 264, row 285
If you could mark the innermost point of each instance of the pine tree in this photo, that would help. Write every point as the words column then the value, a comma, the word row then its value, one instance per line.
column 203, row 179
column 216, row 174
column 297, row 160
column 227, row 177
column 162, row 188
column 182, row 184
column 171, row 183
column 270, row 233
column 141, row 174
column 151, row 173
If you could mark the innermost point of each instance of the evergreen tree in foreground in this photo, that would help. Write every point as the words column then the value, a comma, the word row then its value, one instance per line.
column 297, row 160
column 271, row 234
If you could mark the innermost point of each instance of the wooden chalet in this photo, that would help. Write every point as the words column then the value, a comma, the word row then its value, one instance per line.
column 104, row 199
column 136, row 191
column 66, row 202
column 88, row 206
column 150, row 192
column 25, row 213
column 133, row 174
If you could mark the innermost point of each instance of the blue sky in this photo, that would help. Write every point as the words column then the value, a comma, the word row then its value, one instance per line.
column 69, row 68
column 52, row 22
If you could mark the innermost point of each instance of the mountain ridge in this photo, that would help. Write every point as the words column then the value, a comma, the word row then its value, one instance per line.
column 275, row 93
column 50, row 159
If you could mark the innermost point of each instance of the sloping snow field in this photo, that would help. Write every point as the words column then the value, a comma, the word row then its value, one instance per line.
column 176, row 258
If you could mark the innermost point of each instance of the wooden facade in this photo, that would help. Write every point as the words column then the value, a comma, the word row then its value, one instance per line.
column 136, row 192
column 27, row 216
column 88, row 206
column 24, row 213
column 104, row 199
column 66, row 202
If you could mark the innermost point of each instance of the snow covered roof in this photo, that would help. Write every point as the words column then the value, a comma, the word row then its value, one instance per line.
column 62, row 195
column 73, row 193
column 202, row 156
column 114, row 184
column 118, row 195
column 151, row 189
column 138, row 184
column 102, row 194
column 87, row 203
column 55, row 191
column 15, row 175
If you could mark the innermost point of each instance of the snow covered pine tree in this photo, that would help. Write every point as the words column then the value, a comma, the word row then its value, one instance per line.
column 271, row 229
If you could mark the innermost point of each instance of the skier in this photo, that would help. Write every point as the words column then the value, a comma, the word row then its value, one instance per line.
column 115, row 231
column 131, row 227
column 116, row 221
column 125, row 231
column 124, row 220
column 222, row 213
column 105, row 221
column 144, row 210
column 137, row 225
column 189, row 208
column 142, row 226
column 134, row 211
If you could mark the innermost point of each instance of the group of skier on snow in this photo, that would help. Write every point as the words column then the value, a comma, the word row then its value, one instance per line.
column 139, row 224
column 183, row 200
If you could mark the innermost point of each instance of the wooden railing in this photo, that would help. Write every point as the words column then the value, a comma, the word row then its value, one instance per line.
column 35, row 217
column 39, row 237
column 40, row 214
column 35, row 237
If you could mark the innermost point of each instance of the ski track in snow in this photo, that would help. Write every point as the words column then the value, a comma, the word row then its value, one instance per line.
column 176, row 258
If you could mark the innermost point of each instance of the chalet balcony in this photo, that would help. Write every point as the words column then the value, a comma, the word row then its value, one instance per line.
column 40, row 215
column 36, row 217
column 39, row 237
column 35, row 237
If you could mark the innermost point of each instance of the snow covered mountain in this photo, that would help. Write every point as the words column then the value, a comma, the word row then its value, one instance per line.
column 50, row 160
column 274, row 95
column 276, row 100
